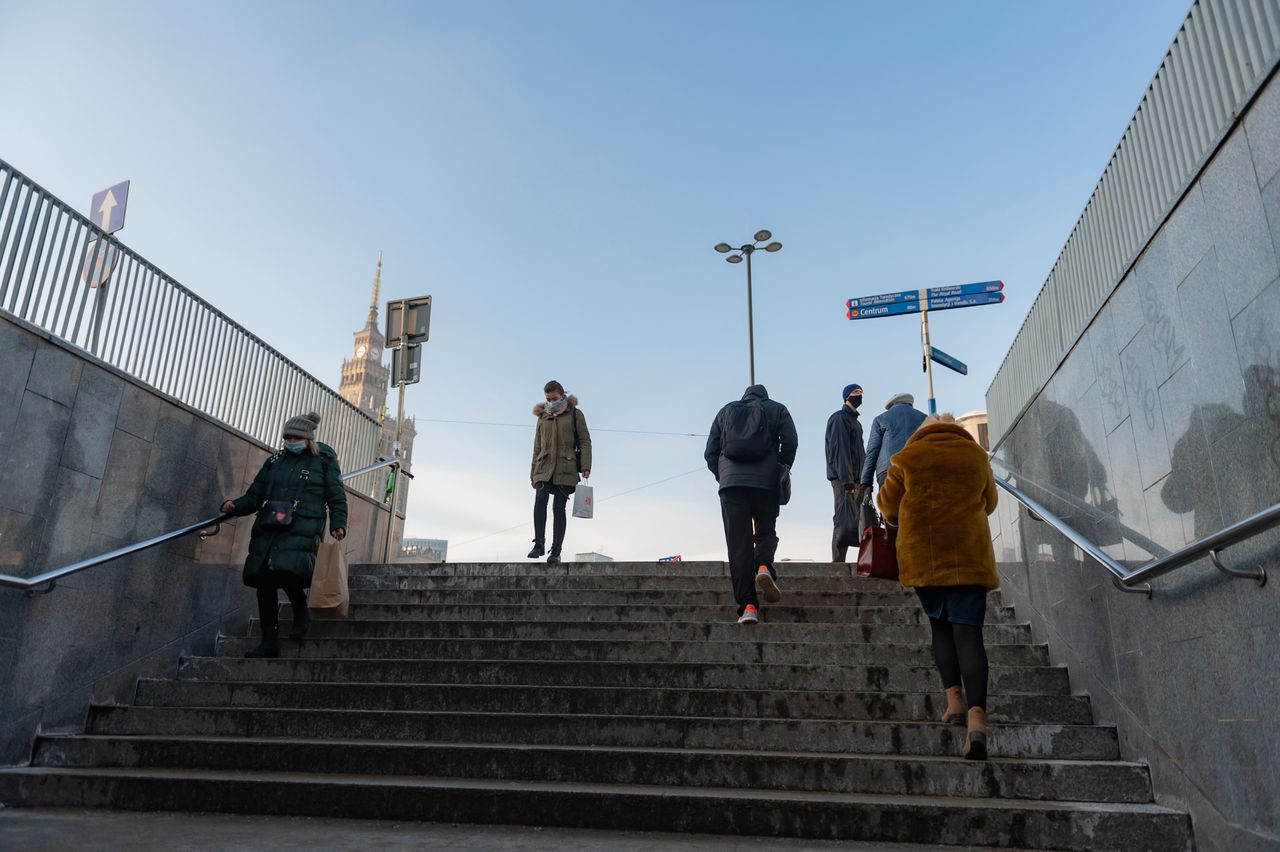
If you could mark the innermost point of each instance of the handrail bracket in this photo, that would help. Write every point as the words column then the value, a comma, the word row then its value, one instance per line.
column 1259, row 573
column 1144, row 589
column 31, row 593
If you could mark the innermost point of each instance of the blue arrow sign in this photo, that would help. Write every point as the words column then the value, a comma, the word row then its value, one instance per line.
column 855, row 312
column 883, row 299
column 940, row 357
column 950, row 302
column 964, row 290
column 106, row 209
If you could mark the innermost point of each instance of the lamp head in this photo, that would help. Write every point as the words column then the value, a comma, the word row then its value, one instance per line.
column 763, row 235
column 734, row 258
column 723, row 247
column 773, row 246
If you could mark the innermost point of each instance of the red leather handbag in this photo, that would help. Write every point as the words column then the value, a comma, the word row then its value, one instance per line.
column 877, row 556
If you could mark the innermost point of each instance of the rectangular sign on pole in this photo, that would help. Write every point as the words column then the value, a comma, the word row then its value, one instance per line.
column 106, row 209
column 940, row 357
column 931, row 299
column 403, row 373
column 949, row 302
column 417, row 324
column 884, row 299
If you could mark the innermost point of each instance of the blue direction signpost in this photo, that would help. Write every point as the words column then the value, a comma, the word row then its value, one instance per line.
column 922, row 302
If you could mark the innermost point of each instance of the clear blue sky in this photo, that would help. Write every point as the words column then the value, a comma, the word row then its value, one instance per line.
column 555, row 175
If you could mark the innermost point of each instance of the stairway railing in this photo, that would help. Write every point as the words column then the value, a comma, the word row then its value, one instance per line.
column 31, row 585
column 1134, row 580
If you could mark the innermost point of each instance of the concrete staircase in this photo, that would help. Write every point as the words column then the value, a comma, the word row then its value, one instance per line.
column 614, row 695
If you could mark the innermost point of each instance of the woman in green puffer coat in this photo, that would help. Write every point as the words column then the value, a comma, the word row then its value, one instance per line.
column 561, row 456
column 304, row 475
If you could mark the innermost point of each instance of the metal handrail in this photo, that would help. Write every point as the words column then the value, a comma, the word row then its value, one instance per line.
column 1135, row 580
column 1097, row 514
column 30, row 584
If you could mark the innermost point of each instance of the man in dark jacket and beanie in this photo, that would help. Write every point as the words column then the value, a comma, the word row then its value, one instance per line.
column 751, row 447
column 889, row 434
column 845, row 457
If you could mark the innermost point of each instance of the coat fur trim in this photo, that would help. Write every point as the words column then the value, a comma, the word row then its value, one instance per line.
column 541, row 408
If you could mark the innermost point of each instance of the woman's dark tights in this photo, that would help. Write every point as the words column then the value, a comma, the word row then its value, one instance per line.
column 961, row 658
column 546, row 491
column 269, row 602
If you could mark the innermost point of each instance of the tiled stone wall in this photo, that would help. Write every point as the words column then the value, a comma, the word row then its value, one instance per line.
column 1166, row 416
column 89, row 461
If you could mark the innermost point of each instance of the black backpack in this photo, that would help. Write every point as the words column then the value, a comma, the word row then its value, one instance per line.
column 744, row 432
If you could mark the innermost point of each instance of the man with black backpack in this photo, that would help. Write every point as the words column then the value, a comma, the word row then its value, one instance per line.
column 750, row 450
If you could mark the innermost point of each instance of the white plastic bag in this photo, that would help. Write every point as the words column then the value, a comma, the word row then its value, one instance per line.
column 584, row 502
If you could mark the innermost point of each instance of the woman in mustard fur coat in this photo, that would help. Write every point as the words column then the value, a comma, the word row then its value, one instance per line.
column 938, row 493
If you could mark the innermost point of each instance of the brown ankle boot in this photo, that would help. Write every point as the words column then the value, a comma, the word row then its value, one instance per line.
column 954, row 714
column 975, row 740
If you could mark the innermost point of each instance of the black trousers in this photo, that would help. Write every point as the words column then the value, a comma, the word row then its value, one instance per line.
column 751, row 533
column 547, row 491
column 270, row 583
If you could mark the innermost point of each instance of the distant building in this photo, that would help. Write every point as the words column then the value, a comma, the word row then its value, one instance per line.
column 592, row 557
column 365, row 379
column 424, row 549
column 975, row 423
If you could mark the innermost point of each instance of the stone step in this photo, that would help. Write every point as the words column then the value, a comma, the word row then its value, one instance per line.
column 719, row 598
column 1050, row 680
column 717, row 631
column 957, row 821
column 371, row 604
column 1110, row 781
column 608, row 569
column 1058, row 742
column 731, row 703
column 830, row 653
column 668, row 584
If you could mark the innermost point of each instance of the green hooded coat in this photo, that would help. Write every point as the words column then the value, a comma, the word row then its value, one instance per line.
column 554, row 459
column 292, row 549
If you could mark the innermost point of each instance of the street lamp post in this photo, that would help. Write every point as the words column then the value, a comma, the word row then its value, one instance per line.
column 741, row 252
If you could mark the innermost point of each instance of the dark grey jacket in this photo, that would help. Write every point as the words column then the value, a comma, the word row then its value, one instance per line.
column 889, row 434
column 761, row 474
column 845, row 453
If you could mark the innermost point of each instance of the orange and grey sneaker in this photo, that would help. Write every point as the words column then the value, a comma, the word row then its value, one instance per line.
column 767, row 586
column 750, row 615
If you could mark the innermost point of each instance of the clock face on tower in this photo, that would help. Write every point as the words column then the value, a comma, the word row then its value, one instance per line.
column 360, row 350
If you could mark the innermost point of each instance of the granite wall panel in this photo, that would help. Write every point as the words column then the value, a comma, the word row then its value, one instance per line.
column 1176, row 389
column 94, row 460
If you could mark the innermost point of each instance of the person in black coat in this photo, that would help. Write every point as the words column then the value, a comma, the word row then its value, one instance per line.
column 750, row 450
column 845, row 458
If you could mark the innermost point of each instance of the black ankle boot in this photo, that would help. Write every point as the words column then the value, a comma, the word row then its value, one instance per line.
column 554, row 558
column 537, row 550
column 301, row 624
column 270, row 646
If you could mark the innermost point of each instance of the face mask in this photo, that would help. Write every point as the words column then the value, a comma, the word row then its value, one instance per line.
column 295, row 447
column 854, row 401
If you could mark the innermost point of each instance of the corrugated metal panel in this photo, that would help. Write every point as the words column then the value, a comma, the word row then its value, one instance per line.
column 1223, row 51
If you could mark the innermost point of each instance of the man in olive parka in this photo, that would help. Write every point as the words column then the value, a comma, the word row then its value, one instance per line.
column 306, row 473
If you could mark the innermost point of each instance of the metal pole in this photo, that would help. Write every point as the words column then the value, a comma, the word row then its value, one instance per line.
column 391, row 507
column 928, row 357
column 751, row 322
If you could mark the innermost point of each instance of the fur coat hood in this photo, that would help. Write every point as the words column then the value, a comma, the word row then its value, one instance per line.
column 540, row 410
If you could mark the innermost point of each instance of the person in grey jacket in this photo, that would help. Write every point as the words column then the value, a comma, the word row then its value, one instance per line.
column 889, row 434
column 749, row 443
column 845, row 458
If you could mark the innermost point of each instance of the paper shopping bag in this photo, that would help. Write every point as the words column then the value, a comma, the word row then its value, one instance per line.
column 329, row 594
column 584, row 503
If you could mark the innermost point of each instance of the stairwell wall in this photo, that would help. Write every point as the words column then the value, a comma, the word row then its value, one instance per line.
column 91, row 460
column 1165, row 416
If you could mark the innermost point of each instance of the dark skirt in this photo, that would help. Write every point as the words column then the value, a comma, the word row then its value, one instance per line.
column 957, row 604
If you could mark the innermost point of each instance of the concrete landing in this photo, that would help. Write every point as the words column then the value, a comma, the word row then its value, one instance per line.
column 76, row 830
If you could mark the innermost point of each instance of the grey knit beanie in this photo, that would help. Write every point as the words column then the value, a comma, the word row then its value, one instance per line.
column 902, row 397
column 304, row 425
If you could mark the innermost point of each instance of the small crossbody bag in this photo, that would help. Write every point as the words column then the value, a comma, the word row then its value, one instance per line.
column 278, row 514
